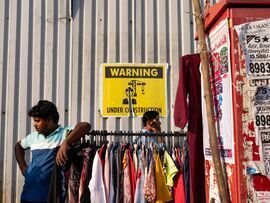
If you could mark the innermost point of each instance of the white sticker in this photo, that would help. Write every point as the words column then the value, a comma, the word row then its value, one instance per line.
column 254, row 38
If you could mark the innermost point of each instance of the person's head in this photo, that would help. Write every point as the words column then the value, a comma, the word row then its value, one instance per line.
column 151, row 120
column 45, row 116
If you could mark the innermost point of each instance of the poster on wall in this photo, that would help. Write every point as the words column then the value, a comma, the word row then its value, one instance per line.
column 261, row 113
column 131, row 89
column 261, row 196
column 265, row 136
column 261, row 107
column 254, row 38
column 219, row 61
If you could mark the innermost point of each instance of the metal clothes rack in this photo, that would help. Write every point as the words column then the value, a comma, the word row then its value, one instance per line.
column 101, row 136
column 131, row 133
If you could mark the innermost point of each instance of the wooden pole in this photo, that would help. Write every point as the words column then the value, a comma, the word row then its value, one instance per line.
column 220, row 176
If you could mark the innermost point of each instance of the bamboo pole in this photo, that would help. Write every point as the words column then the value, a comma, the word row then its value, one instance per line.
column 220, row 176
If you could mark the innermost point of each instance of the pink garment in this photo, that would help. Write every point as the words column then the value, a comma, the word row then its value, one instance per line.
column 149, row 188
column 107, row 173
column 135, row 158
column 127, row 184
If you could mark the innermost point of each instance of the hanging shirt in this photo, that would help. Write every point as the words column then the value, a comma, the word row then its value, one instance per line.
column 58, row 184
column 189, row 85
column 149, row 188
column 96, row 184
column 119, row 179
column 84, row 193
column 139, row 197
column 135, row 157
column 148, row 138
column 170, row 169
column 188, row 109
column 84, row 172
column 38, row 173
column 127, row 184
column 107, row 173
column 132, row 175
column 163, row 193
column 102, row 153
column 113, row 176
column 179, row 186
column 74, row 179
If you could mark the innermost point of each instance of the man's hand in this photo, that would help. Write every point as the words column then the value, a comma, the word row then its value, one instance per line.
column 20, row 157
column 61, row 157
column 79, row 130
column 23, row 169
column 155, row 126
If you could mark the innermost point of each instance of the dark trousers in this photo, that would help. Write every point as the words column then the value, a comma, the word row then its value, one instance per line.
column 24, row 201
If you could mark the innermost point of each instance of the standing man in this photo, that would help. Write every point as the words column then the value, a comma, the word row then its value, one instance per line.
column 151, row 122
column 43, row 143
column 151, row 126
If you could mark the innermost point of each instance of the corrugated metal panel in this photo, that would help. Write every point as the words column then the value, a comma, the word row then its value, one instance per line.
column 52, row 49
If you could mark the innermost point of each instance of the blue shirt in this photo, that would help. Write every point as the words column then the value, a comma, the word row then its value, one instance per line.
column 38, row 173
column 148, row 139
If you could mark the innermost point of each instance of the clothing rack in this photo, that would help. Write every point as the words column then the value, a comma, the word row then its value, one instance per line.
column 129, row 165
column 102, row 136
column 131, row 133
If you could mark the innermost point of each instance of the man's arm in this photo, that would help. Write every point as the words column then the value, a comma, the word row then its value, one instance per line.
column 20, row 157
column 80, row 130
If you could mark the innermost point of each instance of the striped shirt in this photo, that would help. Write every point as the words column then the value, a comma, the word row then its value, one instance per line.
column 38, row 173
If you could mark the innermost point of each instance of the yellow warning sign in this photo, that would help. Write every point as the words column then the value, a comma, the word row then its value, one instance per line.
column 131, row 89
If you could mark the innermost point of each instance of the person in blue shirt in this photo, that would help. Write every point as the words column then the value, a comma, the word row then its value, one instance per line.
column 151, row 122
column 151, row 126
column 43, row 142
